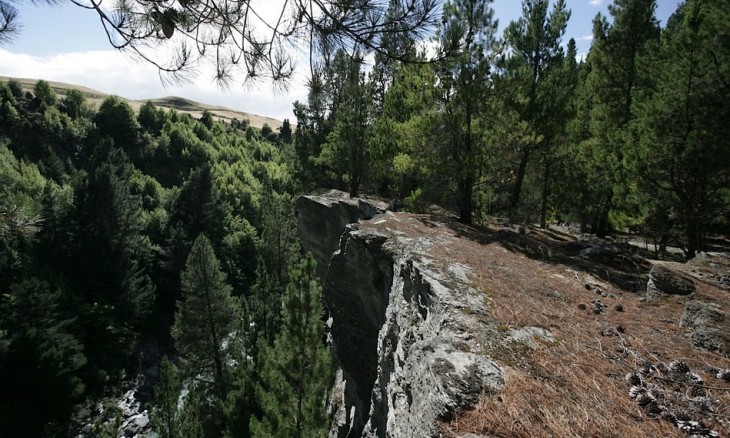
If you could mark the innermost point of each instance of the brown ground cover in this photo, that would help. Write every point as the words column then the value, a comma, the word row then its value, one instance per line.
column 577, row 386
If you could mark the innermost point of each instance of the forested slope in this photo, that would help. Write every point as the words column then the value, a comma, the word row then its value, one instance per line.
column 99, row 214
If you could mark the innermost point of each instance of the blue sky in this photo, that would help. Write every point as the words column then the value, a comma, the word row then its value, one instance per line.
column 67, row 43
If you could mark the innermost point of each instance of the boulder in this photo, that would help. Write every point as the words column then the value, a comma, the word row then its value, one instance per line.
column 531, row 336
column 666, row 281
column 136, row 425
column 708, row 326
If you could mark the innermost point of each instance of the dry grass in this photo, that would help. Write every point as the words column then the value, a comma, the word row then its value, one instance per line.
column 574, row 387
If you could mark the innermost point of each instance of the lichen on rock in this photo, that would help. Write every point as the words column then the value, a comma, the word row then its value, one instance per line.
column 406, row 347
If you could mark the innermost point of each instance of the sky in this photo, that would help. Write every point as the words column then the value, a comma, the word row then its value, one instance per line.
column 67, row 43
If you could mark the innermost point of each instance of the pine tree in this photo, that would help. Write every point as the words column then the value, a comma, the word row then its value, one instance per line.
column 535, row 61
column 343, row 155
column 45, row 97
column 285, row 132
column 207, row 320
column 683, row 119
column 117, row 120
column 611, row 83
column 40, row 367
column 279, row 235
column 346, row 148
column 468, row 36
column 296, row 371
column 112, row 258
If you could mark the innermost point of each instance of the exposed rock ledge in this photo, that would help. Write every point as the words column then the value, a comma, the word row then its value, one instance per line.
column 409, row 331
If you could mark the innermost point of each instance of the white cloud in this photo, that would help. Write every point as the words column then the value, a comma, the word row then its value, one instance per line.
column 584, row 38
column 113, row 72
column 595, row 2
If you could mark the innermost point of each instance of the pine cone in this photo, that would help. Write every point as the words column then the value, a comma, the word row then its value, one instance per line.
column 644, row 399
column 679, row 366
column 681, row 415
column 696, row 391
column 724, row 375
column 695, row 378
column 656, row 393
column 633, row 379
column 635, row 391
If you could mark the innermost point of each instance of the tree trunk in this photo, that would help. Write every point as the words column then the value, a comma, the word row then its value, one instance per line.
column 692, row 232
column 465, row 188
column 516, row 191
column 354, row 186
column 545, row 193
column 602, row 226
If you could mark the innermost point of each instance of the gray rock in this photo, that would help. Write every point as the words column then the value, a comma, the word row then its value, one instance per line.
column 708, row 325
column 530, row 336
column 409, row 335
column 136, row 425
column 666, row 281
column 322, row 219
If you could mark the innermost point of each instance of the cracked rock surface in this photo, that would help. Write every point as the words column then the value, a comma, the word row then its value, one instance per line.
column 408, row 332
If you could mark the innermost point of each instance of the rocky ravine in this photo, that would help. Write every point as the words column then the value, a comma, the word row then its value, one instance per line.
column 410, row 333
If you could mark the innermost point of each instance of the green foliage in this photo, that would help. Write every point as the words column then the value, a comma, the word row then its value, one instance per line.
column 397, row 133
column 117, row 120
column 39, row 369
column 682, row 118
column 99, row 211
column 207, row 119
column 279, row 234
column 110, row 429
column 296, row 372
column 314, row 123
column 111, row 258
column 344, row 155
column 416, row 202
column 206, row 319
column 74, row 104
column 110, row 237
column 533, row 77
column 175, row 413
column 469, row 30
column 612, row 79
column 151, row 118
column 45, row 97
column 285, row 132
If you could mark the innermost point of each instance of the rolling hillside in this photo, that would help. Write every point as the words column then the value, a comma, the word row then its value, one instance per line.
column 95, row 97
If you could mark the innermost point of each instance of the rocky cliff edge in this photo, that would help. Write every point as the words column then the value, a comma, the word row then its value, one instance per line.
column 440, row 329
column 407, row 329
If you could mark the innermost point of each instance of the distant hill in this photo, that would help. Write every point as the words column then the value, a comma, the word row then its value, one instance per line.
column 195, row 109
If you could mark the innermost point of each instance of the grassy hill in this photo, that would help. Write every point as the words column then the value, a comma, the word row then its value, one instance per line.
column 195, row 109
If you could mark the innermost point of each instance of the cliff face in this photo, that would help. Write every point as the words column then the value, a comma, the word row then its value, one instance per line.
column 402, row 326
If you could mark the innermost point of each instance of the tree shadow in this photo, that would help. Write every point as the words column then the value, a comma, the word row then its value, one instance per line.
column 619, row 264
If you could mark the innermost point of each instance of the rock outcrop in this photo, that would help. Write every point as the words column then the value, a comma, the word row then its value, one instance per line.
column 708, row 326
column 409, row 331
column 666, row 281
column 324, row 217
